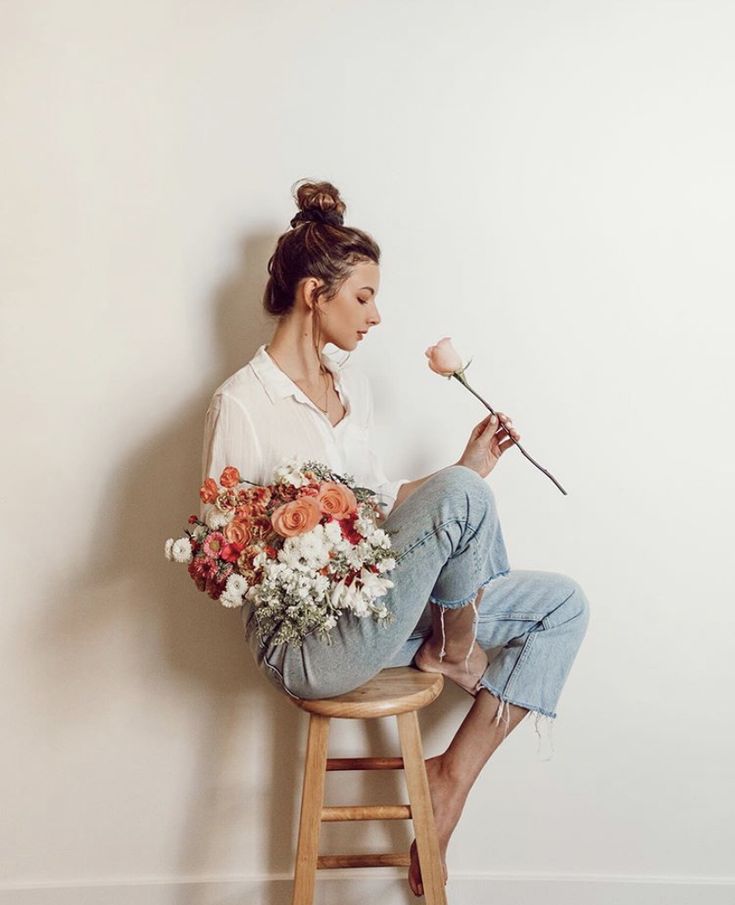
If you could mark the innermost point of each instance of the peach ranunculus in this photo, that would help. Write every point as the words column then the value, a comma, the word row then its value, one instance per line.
column 225, row 501
column 230, row 477
column 336, row 500
column 260, row 495
column 237, row 533
column 296, row 517
column 208, row 491
column 444, row 358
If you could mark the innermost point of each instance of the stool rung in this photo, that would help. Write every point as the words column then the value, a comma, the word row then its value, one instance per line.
column 367, row 812
column 364, row 763
column 387, row 859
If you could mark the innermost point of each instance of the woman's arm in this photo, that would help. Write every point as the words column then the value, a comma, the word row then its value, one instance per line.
column 405, row 490
column 229, row 439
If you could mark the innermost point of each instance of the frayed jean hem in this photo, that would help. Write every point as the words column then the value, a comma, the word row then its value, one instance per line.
column 540, row 713
column 458, row 604
column 463, row 601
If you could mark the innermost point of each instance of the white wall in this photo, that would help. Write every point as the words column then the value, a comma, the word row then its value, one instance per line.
column 552, row 186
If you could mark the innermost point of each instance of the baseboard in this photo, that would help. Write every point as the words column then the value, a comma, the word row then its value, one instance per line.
column 387, row 885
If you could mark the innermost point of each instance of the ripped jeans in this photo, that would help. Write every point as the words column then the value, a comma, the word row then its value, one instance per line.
column 449, row 544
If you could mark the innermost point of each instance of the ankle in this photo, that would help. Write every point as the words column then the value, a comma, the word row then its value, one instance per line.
column 455, row 650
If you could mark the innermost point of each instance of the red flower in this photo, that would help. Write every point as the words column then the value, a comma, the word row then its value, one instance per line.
column 230, row 477
column 200, row 569
column 208, row 491
column 231, row 552
column 348, row 529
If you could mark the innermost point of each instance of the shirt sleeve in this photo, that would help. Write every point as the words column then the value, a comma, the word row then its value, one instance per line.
column 229, row 439
column 386, row 489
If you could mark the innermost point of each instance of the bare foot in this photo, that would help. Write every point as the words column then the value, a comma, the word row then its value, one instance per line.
column 453, row 667
column 447, row 805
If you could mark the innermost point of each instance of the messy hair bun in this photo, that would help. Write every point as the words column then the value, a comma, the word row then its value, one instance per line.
column 319, row 202
column 318, row 245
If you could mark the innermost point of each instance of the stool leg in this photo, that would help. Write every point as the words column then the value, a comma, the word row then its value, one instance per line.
column 422, row 814
column 312, row 801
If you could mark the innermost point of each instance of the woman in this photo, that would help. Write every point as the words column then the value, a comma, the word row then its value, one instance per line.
column 291, row 399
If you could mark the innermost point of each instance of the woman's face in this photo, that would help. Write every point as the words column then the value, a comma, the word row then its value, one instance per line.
column 353, row 310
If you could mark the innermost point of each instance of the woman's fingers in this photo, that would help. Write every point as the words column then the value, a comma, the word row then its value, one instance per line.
column 501, row 428
column 480, row 427
column 506, row 426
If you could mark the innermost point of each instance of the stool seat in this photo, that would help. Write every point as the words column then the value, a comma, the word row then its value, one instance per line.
column 398, row 691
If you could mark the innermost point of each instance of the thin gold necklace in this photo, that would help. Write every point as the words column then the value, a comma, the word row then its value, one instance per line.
column 326, row 399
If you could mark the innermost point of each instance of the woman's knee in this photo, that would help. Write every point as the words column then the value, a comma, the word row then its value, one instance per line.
column 466, row 484
column 575, row 605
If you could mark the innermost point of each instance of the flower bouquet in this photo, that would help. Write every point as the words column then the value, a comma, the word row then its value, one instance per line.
column 302, row 550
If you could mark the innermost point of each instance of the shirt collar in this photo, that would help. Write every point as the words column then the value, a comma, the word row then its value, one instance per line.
column 276, row 383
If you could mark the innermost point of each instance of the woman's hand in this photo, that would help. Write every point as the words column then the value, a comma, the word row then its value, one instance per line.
column 487, row 443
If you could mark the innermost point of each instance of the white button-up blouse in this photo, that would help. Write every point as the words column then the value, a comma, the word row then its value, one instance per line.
column 259, row 416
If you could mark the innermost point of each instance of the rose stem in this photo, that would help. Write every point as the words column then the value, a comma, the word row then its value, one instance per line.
column 463, row 380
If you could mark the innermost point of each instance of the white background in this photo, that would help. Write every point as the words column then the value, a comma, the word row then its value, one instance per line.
column 552, row 186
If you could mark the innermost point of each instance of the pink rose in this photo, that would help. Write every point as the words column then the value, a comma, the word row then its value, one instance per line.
column 444, row 358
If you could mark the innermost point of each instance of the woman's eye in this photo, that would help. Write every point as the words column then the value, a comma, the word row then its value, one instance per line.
column 363, row 301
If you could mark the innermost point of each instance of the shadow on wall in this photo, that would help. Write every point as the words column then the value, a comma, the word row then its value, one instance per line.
column 122, row 594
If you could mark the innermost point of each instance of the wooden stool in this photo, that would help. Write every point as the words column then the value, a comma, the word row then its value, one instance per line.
column 400, row 690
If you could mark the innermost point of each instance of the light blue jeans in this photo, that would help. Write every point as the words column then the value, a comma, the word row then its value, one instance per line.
column 448, row 544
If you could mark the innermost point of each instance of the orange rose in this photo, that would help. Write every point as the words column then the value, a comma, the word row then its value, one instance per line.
column 296, row 517
column 208, row 491
column 229, row 477
column 336, row 499
column 237, row 533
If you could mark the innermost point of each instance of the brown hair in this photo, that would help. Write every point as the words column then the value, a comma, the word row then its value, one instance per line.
column 318, row 245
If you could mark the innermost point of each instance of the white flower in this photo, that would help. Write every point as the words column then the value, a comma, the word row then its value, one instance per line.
column 321, row 585
column 289, row 557
column 355, row 600
column 332, row 531
column 181, row 550
column 357, row 554
column 385, row 565
column 380, row 538
column 228, row 600
column 216, row 519
column 337, row 593
column 374, row 585
column 236, row 585
column 315, row 553
column 365, row 526
column 289, row 472
column 330, row 621
column 167, row 548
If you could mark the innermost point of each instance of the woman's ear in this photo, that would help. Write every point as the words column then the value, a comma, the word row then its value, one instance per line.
column 311, row 284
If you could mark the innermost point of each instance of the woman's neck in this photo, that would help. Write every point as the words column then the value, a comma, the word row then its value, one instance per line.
column 292, row 348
